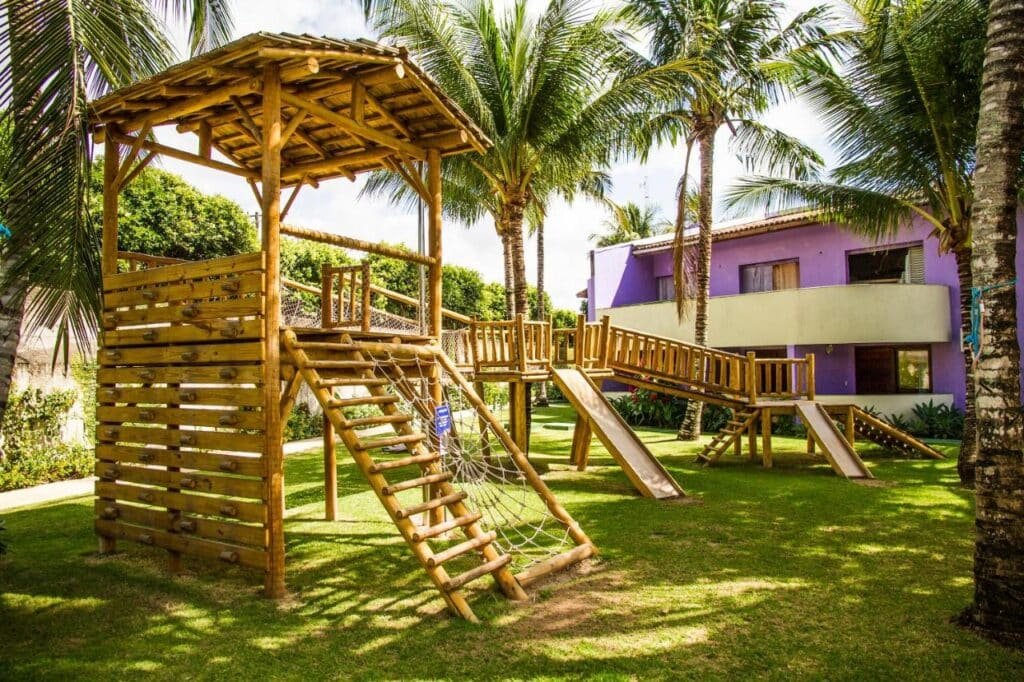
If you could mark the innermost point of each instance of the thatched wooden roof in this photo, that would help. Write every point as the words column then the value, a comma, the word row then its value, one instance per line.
column 353, row 106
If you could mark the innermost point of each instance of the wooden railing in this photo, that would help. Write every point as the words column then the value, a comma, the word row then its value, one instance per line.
column 132, row 261
column 510, row 345
column 345, row 296
column 785, row 378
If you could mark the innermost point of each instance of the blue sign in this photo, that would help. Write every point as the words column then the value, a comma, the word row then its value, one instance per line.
column 442, row 419
column 4, row 232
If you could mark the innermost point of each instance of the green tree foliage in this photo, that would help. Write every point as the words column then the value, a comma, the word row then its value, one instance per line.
column 161, row 214
column 629, row 221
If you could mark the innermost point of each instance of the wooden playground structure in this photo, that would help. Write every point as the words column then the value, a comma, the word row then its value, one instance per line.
column 200, row 362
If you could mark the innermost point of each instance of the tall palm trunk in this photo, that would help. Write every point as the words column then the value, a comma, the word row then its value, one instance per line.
column 690, row 428
column 542, row 387
column 506, row 246
column 515, row 236
column 998, row 607
column 12, row 311
column 966, row 460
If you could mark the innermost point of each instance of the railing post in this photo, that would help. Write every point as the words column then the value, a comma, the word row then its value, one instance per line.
column 579, row 358
column 604, row 344
column 809, row 359
column 474, row 356
column 326, row 304
column 520, row 344
column 751, row 377
column 366, row 298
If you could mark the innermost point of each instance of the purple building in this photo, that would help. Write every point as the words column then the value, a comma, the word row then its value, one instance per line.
column 881, row 318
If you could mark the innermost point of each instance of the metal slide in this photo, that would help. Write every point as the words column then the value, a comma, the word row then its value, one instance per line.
column 837, row 450
column 645, row 472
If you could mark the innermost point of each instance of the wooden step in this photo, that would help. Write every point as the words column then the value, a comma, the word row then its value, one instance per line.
column 417, row 482
column 378, row 443
column 431, row 504
column 458, row 581
column 363, row 400
column 378, row 467
column 426, row 532
column 377, row 420
column 462, row 548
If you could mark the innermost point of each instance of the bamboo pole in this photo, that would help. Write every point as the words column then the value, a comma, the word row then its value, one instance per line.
column 351, row 243
column 365, row 272
column 434, row 273
column 330, row 472
column 273, row 458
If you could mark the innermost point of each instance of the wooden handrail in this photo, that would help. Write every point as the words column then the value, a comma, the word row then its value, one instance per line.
column 357, row 244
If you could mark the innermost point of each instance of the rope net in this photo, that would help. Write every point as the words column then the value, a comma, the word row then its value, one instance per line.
column 475, row 453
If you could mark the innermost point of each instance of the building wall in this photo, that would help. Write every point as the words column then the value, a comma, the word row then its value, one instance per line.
column 619, row 279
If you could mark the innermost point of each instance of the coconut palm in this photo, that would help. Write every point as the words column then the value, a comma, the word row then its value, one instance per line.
column 999, row 186
column 743, row 50
column 630, row 221
column 537, row 84
column 56, row 56
column 905, row 139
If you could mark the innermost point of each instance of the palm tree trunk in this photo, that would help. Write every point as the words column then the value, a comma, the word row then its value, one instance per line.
column 542, row 387
column 510, row 303
column 998, row 607
column 12, row 312
column 515, row 236
column 690, row 428
column 967, row 458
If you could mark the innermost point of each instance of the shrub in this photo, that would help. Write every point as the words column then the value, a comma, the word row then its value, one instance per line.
column 302, row 424
column 787, row 425
column 33, row 451
column 641, row 407
column 932, row 421
column 714, row 417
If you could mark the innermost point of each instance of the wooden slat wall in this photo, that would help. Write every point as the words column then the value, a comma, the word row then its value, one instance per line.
column 180, row 445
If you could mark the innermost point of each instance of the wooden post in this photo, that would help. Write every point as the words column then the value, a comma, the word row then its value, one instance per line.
column 330, row 472
column 274, row 456
column 326, row 299
column 766, row 437
column 434, row 241
column 751, row 377
column 519, row 347
column 752, row 440
column 517, row 405
column 851, row 425
column 366, row 296
column 111, row 165
column 606, row 328
column 810, row 441
column 581, row 436
column 809, row 357
column 581, row 333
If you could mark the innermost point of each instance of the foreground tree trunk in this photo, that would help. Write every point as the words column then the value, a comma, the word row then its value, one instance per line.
column 506, row 246
column 542, row 387
column 690, row 428
column 12, row 312
column 998, row 608
column 966, row 460
column 515, row 237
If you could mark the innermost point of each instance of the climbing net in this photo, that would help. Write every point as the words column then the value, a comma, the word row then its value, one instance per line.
column 301, row 309
column 477, row 451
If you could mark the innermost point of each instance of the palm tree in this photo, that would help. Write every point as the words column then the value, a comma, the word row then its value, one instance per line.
column 742, row 50
column 905, row 138
column 538, row 86
column 628, row 222
column 56, row 56
column 999, row 185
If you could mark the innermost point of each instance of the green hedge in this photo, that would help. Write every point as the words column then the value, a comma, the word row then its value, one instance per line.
column 33, row 451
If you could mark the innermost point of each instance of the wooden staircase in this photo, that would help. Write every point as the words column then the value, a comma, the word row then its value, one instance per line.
column 344, row 364
column 742, row 420
column 869, row 427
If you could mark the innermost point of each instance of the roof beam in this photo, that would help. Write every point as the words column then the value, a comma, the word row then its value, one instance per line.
column 351, row 126
column 157, row 148
column 337, row 164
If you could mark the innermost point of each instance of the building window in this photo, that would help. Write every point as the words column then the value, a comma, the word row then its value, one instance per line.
column 666, row 288
column 769, row 276
column 891, row 369
column 903, row 265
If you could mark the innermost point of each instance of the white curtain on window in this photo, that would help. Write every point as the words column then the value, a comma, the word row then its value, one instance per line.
column 756, row 278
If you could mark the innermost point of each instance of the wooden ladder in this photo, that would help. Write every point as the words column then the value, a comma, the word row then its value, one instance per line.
column 742, row 420
column 347, row 365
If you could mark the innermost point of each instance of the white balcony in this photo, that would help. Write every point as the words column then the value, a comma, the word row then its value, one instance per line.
column 857, row 313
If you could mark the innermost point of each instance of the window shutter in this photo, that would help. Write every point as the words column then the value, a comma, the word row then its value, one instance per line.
column 915, row 265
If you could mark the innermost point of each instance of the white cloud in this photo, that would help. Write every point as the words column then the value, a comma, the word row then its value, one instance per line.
column 335, row 206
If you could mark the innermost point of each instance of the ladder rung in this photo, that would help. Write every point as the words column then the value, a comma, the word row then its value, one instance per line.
column 379, row 419
column 363, row 400
column 431, row 504
column 340, row 364
column 483, row 569
column 425, row 533
column 378, row 467
column 417, row 482
column 462, row 548
column 326, row 345
column 342, row 382
column 391, row 440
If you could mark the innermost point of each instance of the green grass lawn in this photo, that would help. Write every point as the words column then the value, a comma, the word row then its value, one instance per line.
column 785, row 573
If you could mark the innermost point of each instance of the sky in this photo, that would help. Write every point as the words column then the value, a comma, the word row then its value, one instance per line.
column 334, row 207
